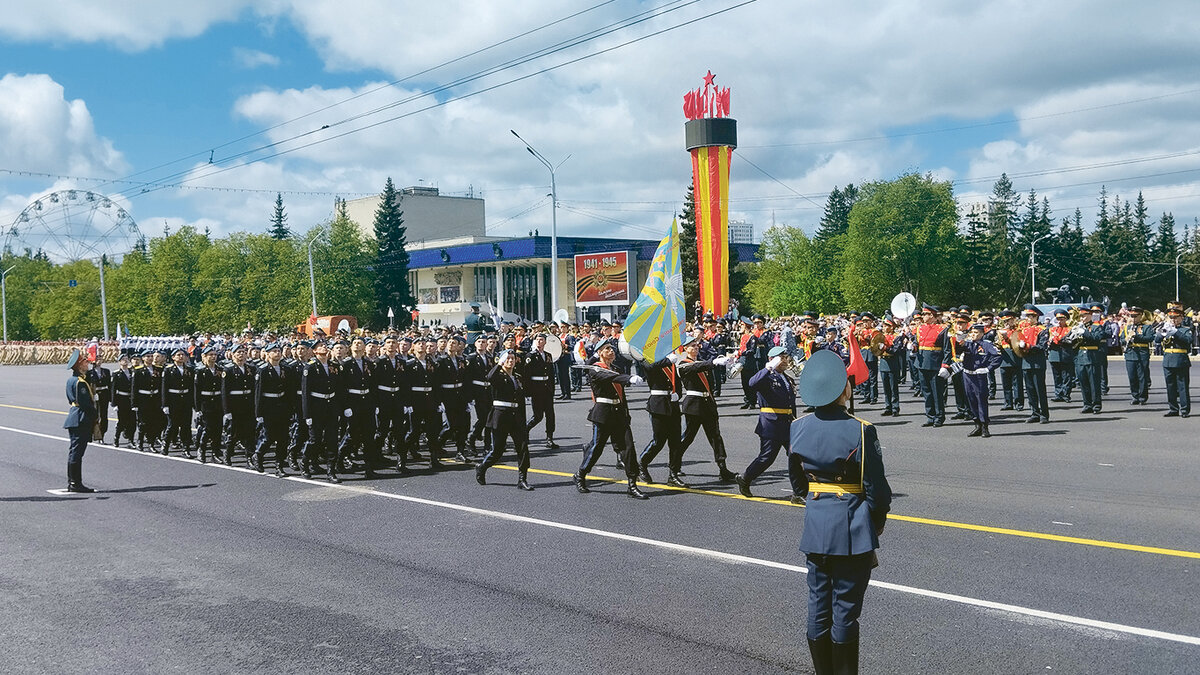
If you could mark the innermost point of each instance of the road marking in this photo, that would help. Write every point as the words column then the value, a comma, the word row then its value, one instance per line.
column 730, row 495
column 721, row 556
column 1059, row 522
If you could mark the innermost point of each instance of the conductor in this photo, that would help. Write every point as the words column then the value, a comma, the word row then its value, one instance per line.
column 848, row 501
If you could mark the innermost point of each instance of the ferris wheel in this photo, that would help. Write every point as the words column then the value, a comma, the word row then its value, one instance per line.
column 72, row 225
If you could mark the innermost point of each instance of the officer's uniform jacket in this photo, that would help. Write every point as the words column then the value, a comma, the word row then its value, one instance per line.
column 320, row 386
column 981, row 354
column 1095, row 338
column 147, row 387
column 83, row 404
column 697, row 379
column 868, row 336
column 479, row 386
column 177, row 387
column 388, row 377
column 508, row 400
column 237, row 389
column 609, row 405
column 1176, row 348
column 1059, row 350
column 273, row 393
column 206, row 390
column 932, row 349
column 122, row 387
column 776, row 404
column 1037, row 344
column 355, row 384
column 538, row 374
column 666, row 386
column 848, row 498
column 422, row 384
column 1137, row 341
column 452, row 379
column 891, row 351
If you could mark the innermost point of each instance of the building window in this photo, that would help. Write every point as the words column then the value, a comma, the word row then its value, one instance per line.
column 485, row 284
column 520, row 291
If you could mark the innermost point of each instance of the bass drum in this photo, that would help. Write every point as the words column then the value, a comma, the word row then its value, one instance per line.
column 554, row 346
column 628, row 350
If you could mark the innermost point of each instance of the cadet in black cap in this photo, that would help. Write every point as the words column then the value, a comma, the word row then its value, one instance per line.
column 1177, row 345
column 147, row 386
column 273, row 403
column 848, row 501
column 1087, row 359
column 237, row 398
column 122, row 397
column 206, row 392
column 177, row 402
column 1061, row 357
column 81, row 419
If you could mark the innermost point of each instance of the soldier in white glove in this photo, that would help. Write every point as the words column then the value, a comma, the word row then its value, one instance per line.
column 979, row 357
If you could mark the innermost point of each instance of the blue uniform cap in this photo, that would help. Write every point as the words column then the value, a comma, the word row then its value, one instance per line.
column 776, row 351
column 273, row 347
column 73, row 359
column 823, row 379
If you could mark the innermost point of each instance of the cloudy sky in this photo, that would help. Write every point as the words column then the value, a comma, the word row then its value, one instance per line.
column 320, row 98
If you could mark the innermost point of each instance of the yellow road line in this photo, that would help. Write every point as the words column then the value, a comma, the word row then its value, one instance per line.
column 891, row 516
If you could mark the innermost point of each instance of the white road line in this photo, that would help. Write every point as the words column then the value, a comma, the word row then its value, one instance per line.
column 693, row 550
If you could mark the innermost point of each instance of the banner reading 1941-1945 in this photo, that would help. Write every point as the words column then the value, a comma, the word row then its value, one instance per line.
column 602, row 279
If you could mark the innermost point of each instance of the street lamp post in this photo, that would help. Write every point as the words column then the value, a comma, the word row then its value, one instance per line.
column 1032, row 271
column 4, row 298
column 103, row 301
column 553, row 220
column 312, row 277
column 1177, row 276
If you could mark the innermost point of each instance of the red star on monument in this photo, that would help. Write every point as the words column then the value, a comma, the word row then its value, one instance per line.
column 708, row 79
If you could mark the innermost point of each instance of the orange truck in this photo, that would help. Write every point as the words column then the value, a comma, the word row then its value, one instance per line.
column 328, row 325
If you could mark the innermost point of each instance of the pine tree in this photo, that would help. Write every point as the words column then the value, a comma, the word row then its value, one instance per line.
column 688, row 260
column 836, row 220
column 279, row 229
column 1166, row 245
column 392, row 289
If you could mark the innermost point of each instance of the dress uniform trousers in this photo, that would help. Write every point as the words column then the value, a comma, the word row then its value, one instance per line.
column 360, row 429
column 1014, row 387
column 126, row 422
column 1178, row 380
column 241, row 425
column 1088, row 377
column 1035, row 389
column 208, row 431
column 976, row 389
column 391, row 425
column 712, row 430
column 1137, row 367
column 502, row 428
column 1064, row 379
column 621, row 436
column 322, row 434
column 845, row 579
column 666, row 431
column 933, row 388
column 273, row 434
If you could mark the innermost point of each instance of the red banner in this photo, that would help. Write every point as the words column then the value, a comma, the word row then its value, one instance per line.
column 602, row 279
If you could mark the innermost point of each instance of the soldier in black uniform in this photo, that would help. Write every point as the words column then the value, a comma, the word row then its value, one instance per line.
column 452, row 378
column 147, row 385
column 387, row 374
column 699, row 408
column 506, row 417
column 610, row 421
column 206, row 399
column 358, row 409
column 237, row 398
column 479, row 365
column 426, row 418
column 666, row 387
column 298, row 432
column 122, row 397
column 177, row 399
column 101, row 381
column 273, row 403
column 320, row 403
column 539, row 385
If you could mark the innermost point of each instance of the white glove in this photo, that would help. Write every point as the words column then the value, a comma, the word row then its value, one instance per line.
column 721, row 360
column 408, row 410
column 166, row 410
column 819, row 340
column 978, row 371
column 347, row 413
column 1170, row 330
column 673, row 357
column 944, row 373
column 441, row 407
column 773, row 364
column 1021, row 343
column 308, row 422
column 227, row 417
column 634, row 379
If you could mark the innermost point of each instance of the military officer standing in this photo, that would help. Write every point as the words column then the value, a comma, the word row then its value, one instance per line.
column 1034, row 343
column 101, row 379
column 506, row 417
column 539, row 386
column 1136, row 338
column 891, row 367
column 776, row 410
column 1061, row 357
column 1010, row 364
column 81, row 419
column 1091, row 337
column 848, row 501
column 931, row 363
column 122, row 397
column 1177, row 344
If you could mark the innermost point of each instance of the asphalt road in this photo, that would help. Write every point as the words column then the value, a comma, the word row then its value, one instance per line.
column 1069, row 547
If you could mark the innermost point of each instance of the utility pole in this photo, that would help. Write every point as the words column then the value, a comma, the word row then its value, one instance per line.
column 553, row 220
column 1032, row 272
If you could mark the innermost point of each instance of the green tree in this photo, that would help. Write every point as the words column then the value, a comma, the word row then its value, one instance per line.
column 391, row 266
column 903, row 236
column 344, row 270
column 63, row 311
column 279, row 229
column 24, row 287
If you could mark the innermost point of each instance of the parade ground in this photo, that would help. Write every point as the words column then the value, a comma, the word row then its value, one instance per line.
column 1068, row 547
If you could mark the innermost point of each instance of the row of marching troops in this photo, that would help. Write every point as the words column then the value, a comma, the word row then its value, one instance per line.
column 963, row 352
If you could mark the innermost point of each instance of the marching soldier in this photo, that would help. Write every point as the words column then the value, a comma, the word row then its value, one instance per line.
column 298, row 432
column 1177, row 344
column 148, row 395
column 698, row 406
column 1034, row 343
column 273, row 403
column 479, row 365
column 1061, row 357
column 839, row 457
column 237, row 398
column 122, row 397
column 539, row 386
column 1092, row 337
column 980, row 358
column 177, row 402
column 426, row 417
column 101, row 380
column 452, row 379
column 665, row 419
column 610, row 421
column 506, row 417
column 776, row 410
column 1136, row 338
column 358, row 410
column 388, row 374
column 207, row 401
column 1010, row 364
column 320, row 403
column 932, row 339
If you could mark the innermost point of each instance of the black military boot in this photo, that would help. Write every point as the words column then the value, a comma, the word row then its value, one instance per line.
column 550, row 444
column 725, row 475
column 845, row 658
column 644, row 472
column 674, row 480
column 743, row 485
column 258, row 462
column 633, row 491
column 203, row 455
column 977, row 431
column 822, row 654
column 986, row 433
column 481, row 474
column 523, row 483
column 580, row 480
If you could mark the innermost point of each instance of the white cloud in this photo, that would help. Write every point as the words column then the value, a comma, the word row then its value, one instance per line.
column 253, row 58
column 131, row 25
column 41, row 130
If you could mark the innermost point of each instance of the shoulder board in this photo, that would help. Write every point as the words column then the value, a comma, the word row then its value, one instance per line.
column 861, row 420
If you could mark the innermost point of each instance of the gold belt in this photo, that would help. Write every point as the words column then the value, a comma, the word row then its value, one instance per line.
column 1089, row 348
column 931, row 349
column 836, row 488
column 1175, row 351
column 777, row 411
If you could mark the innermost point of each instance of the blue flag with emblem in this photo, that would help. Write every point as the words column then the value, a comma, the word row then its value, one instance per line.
column 657, row 320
